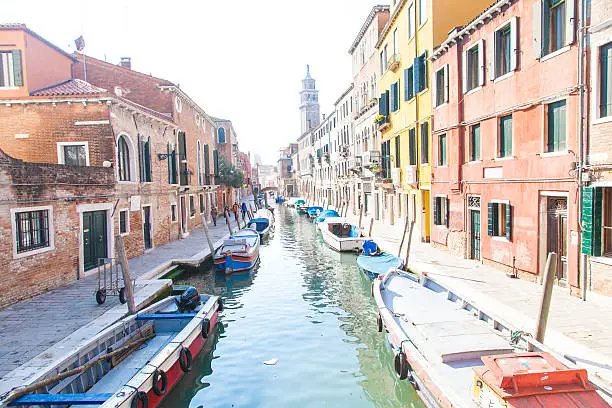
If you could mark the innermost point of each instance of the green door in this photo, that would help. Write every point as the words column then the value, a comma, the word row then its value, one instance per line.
column 94, row 238
column 475, row 235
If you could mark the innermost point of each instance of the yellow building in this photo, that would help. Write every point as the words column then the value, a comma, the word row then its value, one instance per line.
column 405, row 47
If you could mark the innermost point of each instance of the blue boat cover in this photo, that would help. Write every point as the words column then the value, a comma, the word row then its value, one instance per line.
column 313, row 210
column 327, row 214
column 260, row 223
column 369, row 248
column 376, row 265
column 300, row 202
column 354, row 232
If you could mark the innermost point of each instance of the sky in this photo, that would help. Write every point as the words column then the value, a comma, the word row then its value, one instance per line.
column 241, row 60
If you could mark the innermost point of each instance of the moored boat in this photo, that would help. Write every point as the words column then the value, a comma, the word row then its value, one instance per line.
column 261, row 225
column 133, row 363
column 454, row 359
column 327, row 214
column 340, row 235
column 239, row 252
column 373, row 262
column 314, row 211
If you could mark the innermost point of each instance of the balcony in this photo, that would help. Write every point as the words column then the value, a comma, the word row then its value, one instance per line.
column 394, row 62
column 382, row 122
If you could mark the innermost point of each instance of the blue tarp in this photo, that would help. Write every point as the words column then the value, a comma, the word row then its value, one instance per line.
column 327, row 214
column 313, row 210
column 260, row 223
column 354, row 232
column 373, row 266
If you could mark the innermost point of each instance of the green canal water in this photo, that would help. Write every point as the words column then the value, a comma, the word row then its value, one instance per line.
column 310, row 308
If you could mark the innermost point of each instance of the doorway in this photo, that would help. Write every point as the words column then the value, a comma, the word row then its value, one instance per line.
column 556, row 234
column 475, row 234
column 95, row 238
column 146, row 223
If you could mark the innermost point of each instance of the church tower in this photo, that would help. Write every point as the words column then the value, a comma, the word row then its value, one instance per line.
column 309, row 107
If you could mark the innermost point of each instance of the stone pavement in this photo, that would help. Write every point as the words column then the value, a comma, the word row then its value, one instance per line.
column 31, row 326
column 579, row 330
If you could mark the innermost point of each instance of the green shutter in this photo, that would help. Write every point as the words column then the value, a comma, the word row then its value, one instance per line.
column 605, row 92
column 216, row 161
column 425, row 74
column 406, row 87
column 492, row 219
column 446, row 216
column 508, row 222
column 416, row 76
column 436, row 211
column 169, row 165
column 140, row 161
column 592, row 199
column 425, row 143
column 206, row 161
column 17, row 68
column 398, row 162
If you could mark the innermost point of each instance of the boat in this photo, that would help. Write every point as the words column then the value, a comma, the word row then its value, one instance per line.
column 374, row 262
column 291, row 201
column 279, row 199
column 326, row 214
column 239, row 252
column 313, row 212
column 455, row 357
column 135, row 362
column 262, row 222
column 301, row 207
column 340, row 235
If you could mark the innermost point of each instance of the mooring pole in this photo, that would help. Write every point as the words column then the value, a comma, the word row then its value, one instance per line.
column 371, row 226
column 207, row 233
column 399, row 252
column 228, row 221
column 360, row 214
column 549, row 281
column 408, row 247
column 125, row 271
column 392, row 211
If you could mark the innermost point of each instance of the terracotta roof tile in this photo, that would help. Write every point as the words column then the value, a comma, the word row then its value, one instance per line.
column 70, row 87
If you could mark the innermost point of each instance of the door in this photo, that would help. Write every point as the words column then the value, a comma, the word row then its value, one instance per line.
column 475, row 235
column 183, row 215
column 556, row 234
column 146, row 215
column 95, row 238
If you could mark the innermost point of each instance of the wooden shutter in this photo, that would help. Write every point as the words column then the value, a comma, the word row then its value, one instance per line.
column 425, row 143
column 140, row 160
column 592, row 200
column 425, row 70
column 406, row 89
column 206, row 161
column 17, row 68
column 447, row 207
column 436, row 211
column 216, row 161
column 410, row 82
column 387, row 103
column 381, row 108
column 537, row 29
column 514, row 43
column 416, row 76
column 446, row 82
column 397, row 91
column 481, row 62
column 491, row 63
column 508, row 222
column 169, row 165
column 492, row 219
column 464, row 71
column 147, row 157
column 570, row 21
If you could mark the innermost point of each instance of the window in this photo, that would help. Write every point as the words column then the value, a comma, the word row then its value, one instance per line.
column 607, row 222
column 440, row 210
column 472, row 68
column 173, row 212
column 556, row 132
column 398, row 162
column 123, row 159
column 503, row 48
column 408, row 83
column 442, row 159
column 395, row 97
column 411, row 21
column 199, row 162
column 172, row 175
column 32, row 230
column 442, row 86
column 386, row 55
column 182, row 154
column 192, row 209
column 422, row 11
column 500, row 220
column 475, row 143
column 554, row 28
column 386, row 160
column 11, row 74
column 382, row 63
column 605, row 81
column 420, row 73
column 505, row 137
column 144, row 159
column 395, row 43
column 425, row 143
column 221, row 135
column 201, row 204
column 413, row 146
column 124, row 222
column 73, row 154
column 207, row 164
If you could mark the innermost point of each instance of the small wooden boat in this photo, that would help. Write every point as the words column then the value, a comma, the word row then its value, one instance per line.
column 378, row 264
column 239, row 252
column 454, row 359
column 313, row 212
column 261, row 225
column 326, row 214
column 340, row 235
column 134, row 363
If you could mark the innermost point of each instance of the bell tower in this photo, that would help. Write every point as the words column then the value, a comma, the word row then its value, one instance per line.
column 309, row 106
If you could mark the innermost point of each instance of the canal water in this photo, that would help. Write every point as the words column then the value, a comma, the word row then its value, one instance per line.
column 305, row 308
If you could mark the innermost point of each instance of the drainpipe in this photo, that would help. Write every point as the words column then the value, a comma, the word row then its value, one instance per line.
column 582, row 267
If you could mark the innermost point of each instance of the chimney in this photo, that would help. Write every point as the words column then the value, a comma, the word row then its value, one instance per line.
column 126, row 62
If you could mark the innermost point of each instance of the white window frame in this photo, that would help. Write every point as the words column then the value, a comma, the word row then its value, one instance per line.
column 544, row 129
column 51, row 247
column 493, row 52
column 60, row 151
column 127, row 220
column 411, row 21
column 422, row 13
column 434, row 83
column 9, row 70
column 481, row 68
column 604, row 40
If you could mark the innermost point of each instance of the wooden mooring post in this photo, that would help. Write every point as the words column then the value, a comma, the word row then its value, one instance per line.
column 207, row 233
column 125, row 271
column 399, row 252
column 228, row 221
column 408, row 247
column 549, row 281
column 371, row 227
column 360, row 215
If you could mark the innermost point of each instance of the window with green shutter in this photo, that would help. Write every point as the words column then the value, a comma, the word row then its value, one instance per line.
column 556, row 134
column 11, row 72
column 605, row 81
column 505, row 137
column 216, row 161
column 412, row 146
column 424, row 143
column 499, row 217
column 172, row 179
column 592, row 211
column 442, row 160
column 475, row 143
column 408, row 83
column 441, row 210
column 398, row 162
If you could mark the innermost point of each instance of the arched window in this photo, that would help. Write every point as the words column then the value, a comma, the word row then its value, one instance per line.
column 123, row 159
column 221, row 135
column 199, row 153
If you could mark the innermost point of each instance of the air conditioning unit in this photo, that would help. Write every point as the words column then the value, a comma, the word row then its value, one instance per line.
column 410, row 175
column 396, row 177
column 366, row 159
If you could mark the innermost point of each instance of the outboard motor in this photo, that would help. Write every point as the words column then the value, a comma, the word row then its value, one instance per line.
column 188, row 300
column 370, row 248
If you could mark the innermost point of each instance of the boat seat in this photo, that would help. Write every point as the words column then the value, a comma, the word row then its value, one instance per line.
column 234, row 241
column 60, row 399
column 165, row 316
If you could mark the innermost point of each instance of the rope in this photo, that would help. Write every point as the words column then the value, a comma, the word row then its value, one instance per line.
column 516, row 336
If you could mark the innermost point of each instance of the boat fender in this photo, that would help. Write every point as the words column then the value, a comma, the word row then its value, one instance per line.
column 401, row 365
column 159, row 376
column 220, row 302
column 140, row 400
column 205, row 328
column 379, row 322
column 185, row 359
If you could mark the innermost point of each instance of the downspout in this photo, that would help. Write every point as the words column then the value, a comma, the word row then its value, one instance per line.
column 582, row 266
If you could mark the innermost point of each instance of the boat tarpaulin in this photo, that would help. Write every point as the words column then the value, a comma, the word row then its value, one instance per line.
column 378, row 264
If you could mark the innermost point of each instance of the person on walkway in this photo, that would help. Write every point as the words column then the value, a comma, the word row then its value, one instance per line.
column 213, row 215
column 235, row 210
column 243, row 207
column 226, row 211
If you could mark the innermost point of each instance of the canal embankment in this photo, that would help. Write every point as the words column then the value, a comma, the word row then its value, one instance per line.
column 577, row 330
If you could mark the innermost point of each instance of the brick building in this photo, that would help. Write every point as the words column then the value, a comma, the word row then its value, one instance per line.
column 505, row 142
column 227, row 147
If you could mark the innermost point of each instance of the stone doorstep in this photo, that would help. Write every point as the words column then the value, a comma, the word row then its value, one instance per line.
column 33, row 369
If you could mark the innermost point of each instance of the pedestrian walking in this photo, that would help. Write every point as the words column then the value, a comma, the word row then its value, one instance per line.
column 213, row 215
column 226, row 211
column 243, row 207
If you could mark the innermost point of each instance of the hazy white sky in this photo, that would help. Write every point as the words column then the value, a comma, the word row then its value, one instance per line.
column 242, row 60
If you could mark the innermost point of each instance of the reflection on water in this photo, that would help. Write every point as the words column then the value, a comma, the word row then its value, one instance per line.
column 308, row 307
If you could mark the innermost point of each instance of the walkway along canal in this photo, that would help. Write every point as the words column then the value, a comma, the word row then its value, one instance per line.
column 310, row 309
